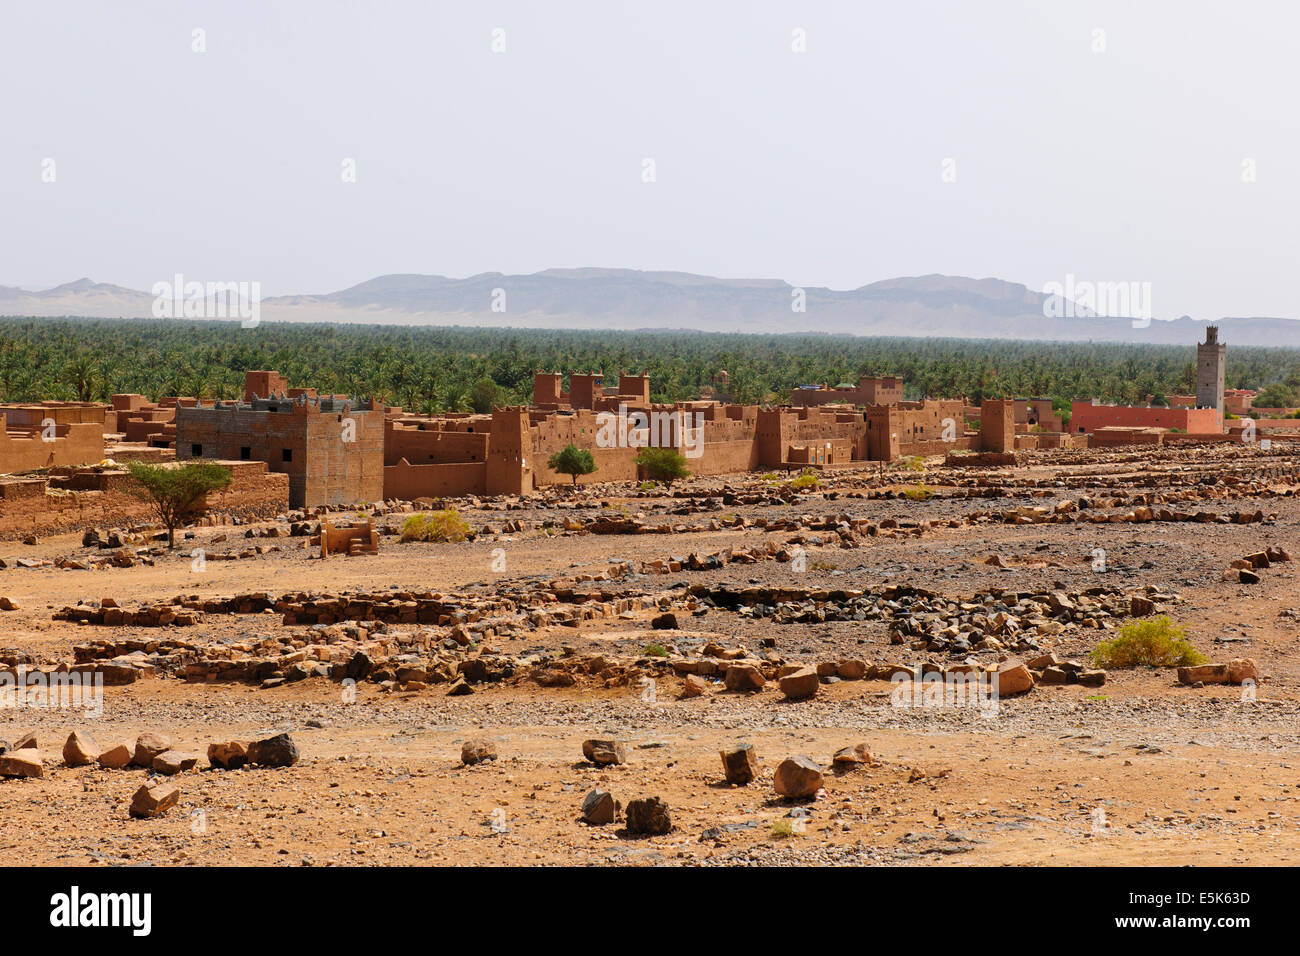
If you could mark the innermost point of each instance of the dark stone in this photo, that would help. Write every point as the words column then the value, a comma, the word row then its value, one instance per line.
column 648, row 816
column 277, row 751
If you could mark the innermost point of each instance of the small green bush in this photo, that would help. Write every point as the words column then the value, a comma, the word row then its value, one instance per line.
column 445, row 525
column 1158, row 642
column 654, row 650
column 807, row 479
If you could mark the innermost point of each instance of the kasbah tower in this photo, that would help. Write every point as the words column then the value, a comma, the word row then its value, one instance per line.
column 1210, row 363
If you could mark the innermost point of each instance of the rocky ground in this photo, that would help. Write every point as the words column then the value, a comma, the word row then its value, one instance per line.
column 676, row 623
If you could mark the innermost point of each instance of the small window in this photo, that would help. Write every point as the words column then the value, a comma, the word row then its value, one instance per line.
column 196, row 451
column 245, row 453
column 286, row 454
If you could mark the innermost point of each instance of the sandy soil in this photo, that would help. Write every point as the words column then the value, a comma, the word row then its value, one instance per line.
column 1140, row 771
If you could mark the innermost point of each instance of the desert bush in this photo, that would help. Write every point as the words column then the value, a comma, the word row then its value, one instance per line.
column 445, row 525
column 1158, row 642
column 654, row 649
column 807, row 479
column 662, row 464
column 920, row 493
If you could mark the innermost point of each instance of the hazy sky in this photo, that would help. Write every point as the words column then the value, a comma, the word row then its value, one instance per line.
column 824, row 167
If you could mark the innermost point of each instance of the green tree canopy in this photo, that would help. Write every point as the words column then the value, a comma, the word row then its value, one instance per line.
column 662, row 464
column 177, row 492
column 573, row 461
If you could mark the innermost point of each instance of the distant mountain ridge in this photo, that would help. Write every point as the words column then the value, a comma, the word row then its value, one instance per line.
column 599, row 299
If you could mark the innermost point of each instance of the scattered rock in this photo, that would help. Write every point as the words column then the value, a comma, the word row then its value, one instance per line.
column 851, row 756
column 599, row 808
column 228, row 755
column 477, row 750
column 801, row 684
column 171, row 762
column 648, row 816
column 798, row 777
column 21, row 763
column 117, row 757
column 740, row 764
column 605, row 752
column 148, row 746
column 693, row 686
column 1013, row 677
column 153, row 800
column 277, row 751
column 744, row 677
column 80, row 750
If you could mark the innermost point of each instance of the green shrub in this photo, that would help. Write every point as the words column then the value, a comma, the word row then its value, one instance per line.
column 920, row 493
column 654, row 649
column 445, row 525
column 1158, row 642
column 572, row 461
column 807, row 479
column 662, row 464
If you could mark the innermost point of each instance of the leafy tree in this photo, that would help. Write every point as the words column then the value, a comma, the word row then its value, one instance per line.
column 662, row 464
column 177, row 492
column 573, row 461
column 1277, row 395
column 484, row 395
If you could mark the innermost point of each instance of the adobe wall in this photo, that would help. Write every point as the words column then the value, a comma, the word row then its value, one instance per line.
column 74, row 444
column 408, row 482
column 422, row 446
column 34, row 414
column 1087, row 417
column 253, row 493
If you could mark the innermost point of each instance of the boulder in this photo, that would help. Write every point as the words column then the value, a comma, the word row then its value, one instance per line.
column 664, row 622
column 801, row 684
column 599, row 808
column 1141, row 606
column 798, row 777
column 152, row 800
column 605, row 752
column 148, row 746
column 26, row 742
column 648, row 816
column 1242, row 669
column 228, row 755
column 1013, row 677
column 740, row 764
column 853, row 670
column 21, row 763
column 744, row 677
column 477, row 750
column 174, row 761
column 693, row 686
column 116, row 757
column 852, row 756
column 277, row 751
column 80, row 750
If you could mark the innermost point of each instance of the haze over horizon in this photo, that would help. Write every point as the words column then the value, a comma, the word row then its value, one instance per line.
column 1113, row 157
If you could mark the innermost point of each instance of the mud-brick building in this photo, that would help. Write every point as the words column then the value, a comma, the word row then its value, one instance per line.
column 331, row 448
column 49, row 434
column 868, row 391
